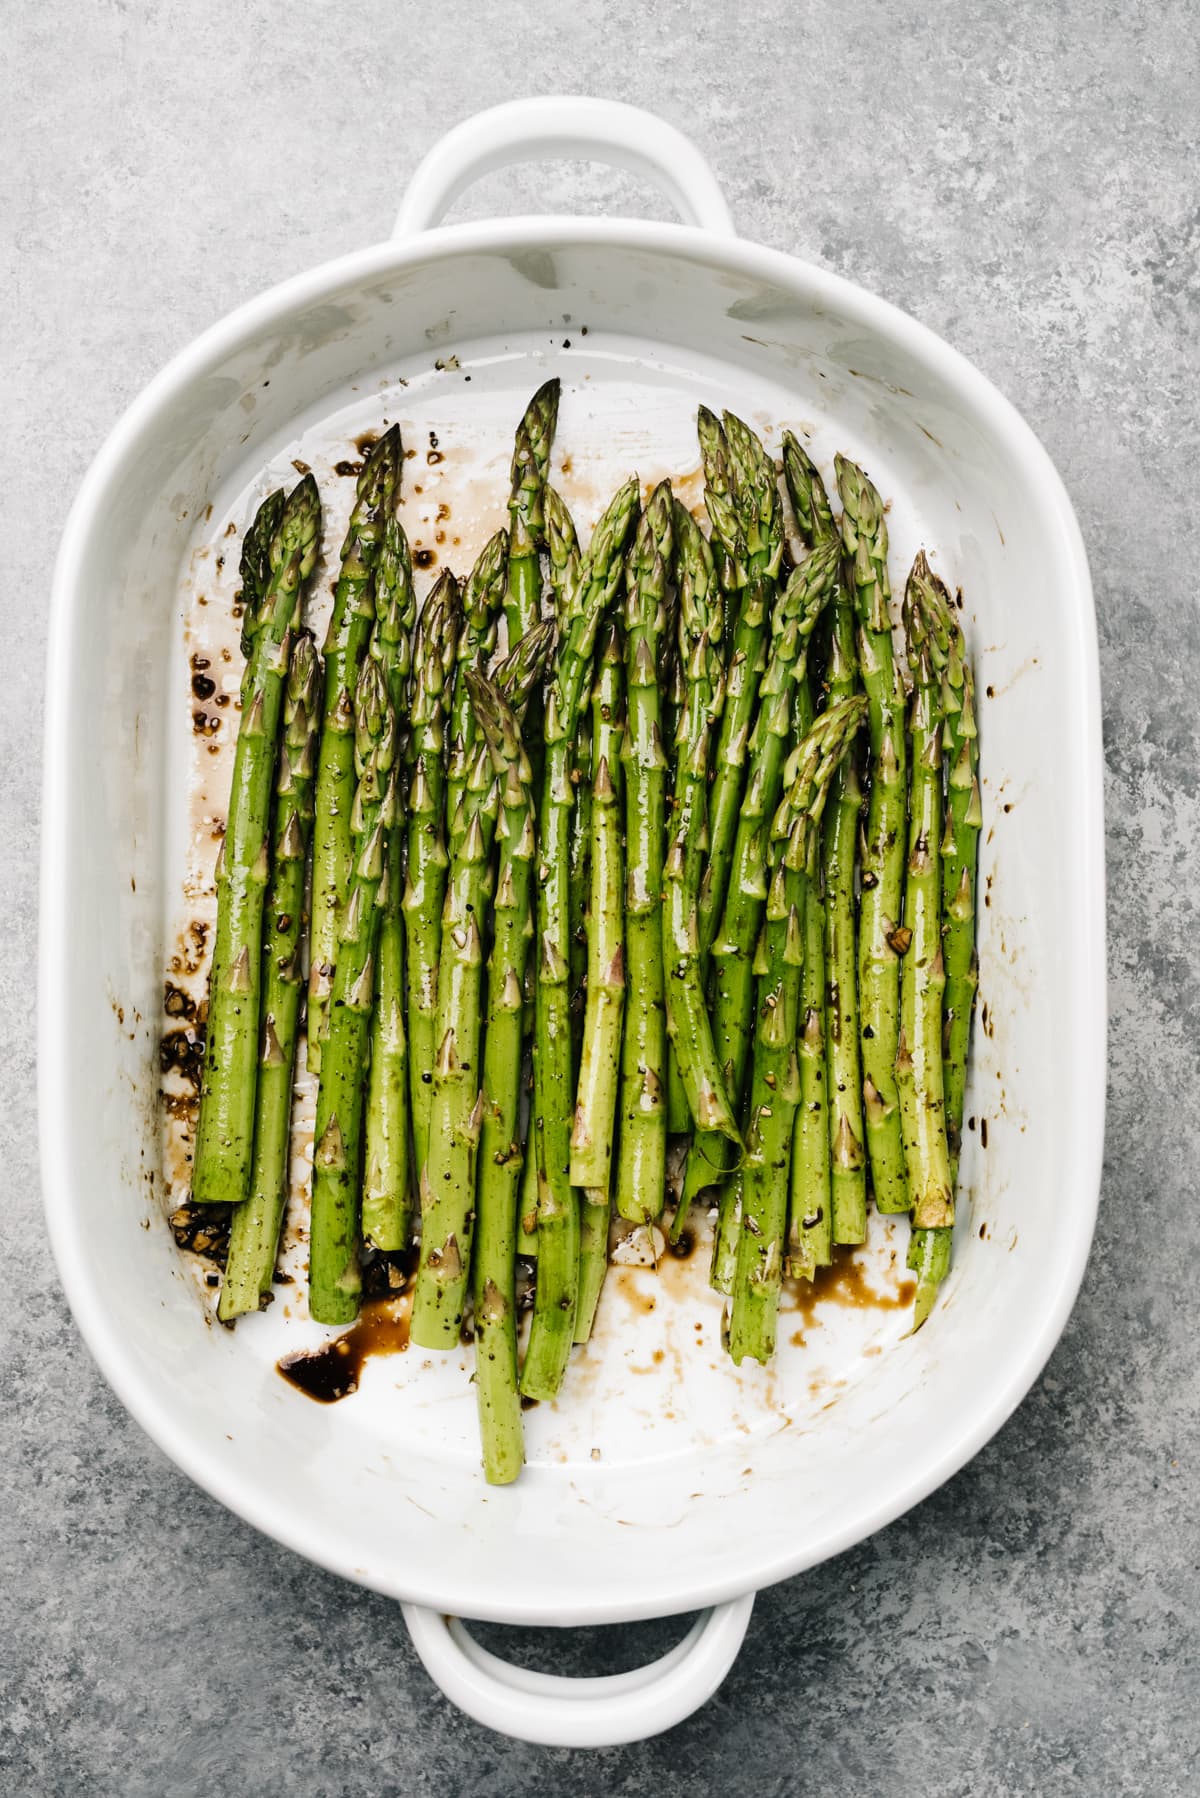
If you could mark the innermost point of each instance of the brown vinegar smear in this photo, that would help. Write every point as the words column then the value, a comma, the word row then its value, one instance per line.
column 843, row 1283
column 333, row 1371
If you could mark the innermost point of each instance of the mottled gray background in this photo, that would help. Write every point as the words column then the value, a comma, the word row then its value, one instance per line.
column 1023, row 177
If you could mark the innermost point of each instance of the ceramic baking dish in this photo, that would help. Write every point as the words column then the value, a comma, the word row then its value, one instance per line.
column 663, row 1481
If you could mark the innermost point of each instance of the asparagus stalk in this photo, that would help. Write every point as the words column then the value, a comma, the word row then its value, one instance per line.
column 672, row 699
column 723, row 1267
column 493, row 1263
column 519, row 675
column 701, row 1073
column 334, row 1274
column 432, row 739
column 959, row 849
column 775, row 1077
column 428, row 862
column 749, row 525
column 255, row 565
column 346, row 641
column 794, row 620
column 774, row 1096
column 555, row 522
column 596, row 1099
column 558, row 1218
column 810, row 501
column 482, row 599
column 562, row 545
column 580, row 877
column 810, row 1207
column 919, row 1071
column 447, row 1180
column 864, row 533
column 810, row 1211
column 673, row 687
column 527, row 1209
column 225, row 1129
column 848, row 1185
column 600, row 1057
column 526, row 507
column 642, row 1149
column 254, row 1229
column 387, row 1176
column 679, row 1120
column 929, row 1253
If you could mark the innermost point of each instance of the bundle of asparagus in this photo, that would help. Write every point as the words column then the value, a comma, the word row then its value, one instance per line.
column 596, row 886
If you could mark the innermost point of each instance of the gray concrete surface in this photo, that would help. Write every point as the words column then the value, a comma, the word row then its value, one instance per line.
column 1021, row 176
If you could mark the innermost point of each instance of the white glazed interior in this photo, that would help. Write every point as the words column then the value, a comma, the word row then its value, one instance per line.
column 742, row 1485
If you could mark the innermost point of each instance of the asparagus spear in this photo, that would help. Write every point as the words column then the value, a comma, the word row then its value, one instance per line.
column 596, row 1099
column 919, row 1072
column 723, row 1266
column 810, row 1208
column 848, row 1185
column 493, row 1265
column 433, row 738
column 254, row 1229
column 346, row 641
column 579, row 877
column 526, row 507
column 600, row 1057
column 447, row 1180
column 749, row 525
column 775, row 1077
column 519, row 675
column 334, row 1274
column 709, row 1101
column 255, row 566
column 794, row 620
column 225, row 1129
column 564, row 564
column 482, row 599
column 527, row 1209
column 558, row 1219
column 734, row 950
column 562, row 545
column 774, row 1096
column 672, row 699
column 428, row 862
column 847, row 1126
column 960, row 846
column 642, row 1150
column 387, row 1180
column 673, row 688
column 864, row 533
column 563, row 554
column 929, row 1253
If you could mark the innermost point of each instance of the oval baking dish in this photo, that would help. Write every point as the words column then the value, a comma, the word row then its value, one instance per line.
column 690, row 1491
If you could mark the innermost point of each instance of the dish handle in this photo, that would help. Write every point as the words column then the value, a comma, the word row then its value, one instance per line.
column 601, row 1712
column 560, row 126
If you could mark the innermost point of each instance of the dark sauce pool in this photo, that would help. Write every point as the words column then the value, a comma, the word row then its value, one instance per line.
column 845, row 1283
column 333, row 1371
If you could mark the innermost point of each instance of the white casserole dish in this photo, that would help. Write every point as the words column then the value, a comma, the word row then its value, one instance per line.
column 713, row 1488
